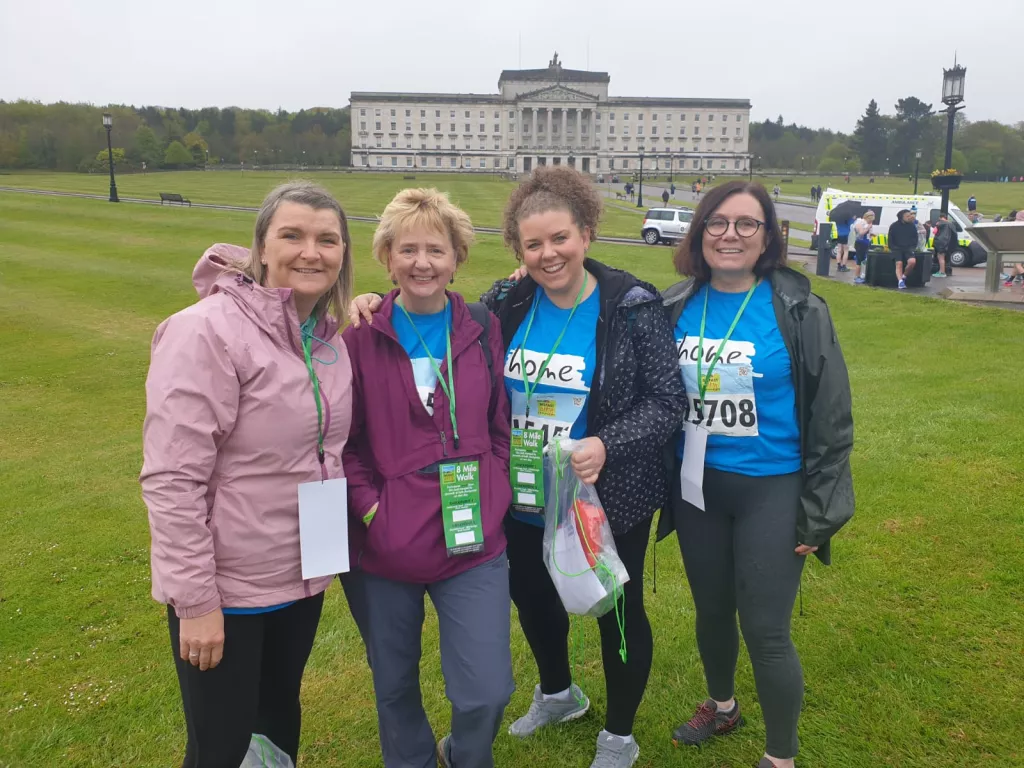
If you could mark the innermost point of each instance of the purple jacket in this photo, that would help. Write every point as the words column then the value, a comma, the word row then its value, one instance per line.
column 394, row 442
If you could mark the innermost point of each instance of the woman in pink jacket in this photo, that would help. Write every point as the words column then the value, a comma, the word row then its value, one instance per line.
column 249, row 395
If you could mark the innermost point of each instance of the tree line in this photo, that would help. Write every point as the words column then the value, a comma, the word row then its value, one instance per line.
column 71, row 137
column 883, row 143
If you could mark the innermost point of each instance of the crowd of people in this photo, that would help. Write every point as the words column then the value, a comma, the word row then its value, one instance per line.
column 725, row 403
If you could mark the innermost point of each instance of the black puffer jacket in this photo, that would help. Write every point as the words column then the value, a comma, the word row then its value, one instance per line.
column 637, row 398
column 823, row 403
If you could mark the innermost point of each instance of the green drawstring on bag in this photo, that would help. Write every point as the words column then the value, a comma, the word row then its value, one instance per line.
column 618, row 595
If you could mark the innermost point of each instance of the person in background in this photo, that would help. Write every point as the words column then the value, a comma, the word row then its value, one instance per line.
column 862, row 244
column 843, row 244
column 769, row 393
column 249, row 396
column 814, row 191
column 903, row 245
column 427, row 414
column 613, row 385
column 944, row 242
column 1016, row 276
column 665, row 197
column 776, row 191
column 923, row 233
column 972, row 204
column 672, row 189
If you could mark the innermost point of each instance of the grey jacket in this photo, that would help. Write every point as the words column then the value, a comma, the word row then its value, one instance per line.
column 823, row 402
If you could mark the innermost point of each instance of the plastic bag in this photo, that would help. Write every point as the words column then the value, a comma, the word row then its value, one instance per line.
column 263, row 753
column 579, row 551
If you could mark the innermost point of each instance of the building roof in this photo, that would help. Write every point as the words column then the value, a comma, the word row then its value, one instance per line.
column 554, row 71
column 433, row 98
column 655, row 101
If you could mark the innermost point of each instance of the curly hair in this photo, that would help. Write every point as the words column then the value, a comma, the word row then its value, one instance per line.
column 552, row 188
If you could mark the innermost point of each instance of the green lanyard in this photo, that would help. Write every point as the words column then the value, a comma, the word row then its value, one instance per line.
column 449, row 386
column 529, row 390
column 307, row 354
column 702, row 382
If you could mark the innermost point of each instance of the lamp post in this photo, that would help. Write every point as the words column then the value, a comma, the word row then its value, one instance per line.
column 108, row 123
column 750, row 168
column 671, row 165
column 917, row 168
column 952, row 97
column 572, row 159
column 801, row 164
column 640, row 194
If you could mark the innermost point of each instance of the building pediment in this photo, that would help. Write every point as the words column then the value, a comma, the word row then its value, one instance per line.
column 557, row 93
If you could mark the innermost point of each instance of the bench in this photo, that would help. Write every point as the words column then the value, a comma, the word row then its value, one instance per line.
column 173, row 197
column 785, row 181
column 408, row 178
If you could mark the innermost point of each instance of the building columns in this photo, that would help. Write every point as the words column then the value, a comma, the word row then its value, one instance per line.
column 579, row 127
column 549, row 126
column 533, row 135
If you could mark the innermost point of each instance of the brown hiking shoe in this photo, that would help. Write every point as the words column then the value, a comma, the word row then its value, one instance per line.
column 706, row 722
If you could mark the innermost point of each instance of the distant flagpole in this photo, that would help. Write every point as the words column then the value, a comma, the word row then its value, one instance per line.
column 520, row 50
column 588, row 54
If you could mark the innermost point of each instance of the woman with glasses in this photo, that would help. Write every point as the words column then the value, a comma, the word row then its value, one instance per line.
column 762, row 471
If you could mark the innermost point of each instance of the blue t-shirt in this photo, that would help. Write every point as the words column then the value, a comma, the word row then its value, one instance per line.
column 750, row 407
column 251, row 611
column 433, row 329
column 559, row 403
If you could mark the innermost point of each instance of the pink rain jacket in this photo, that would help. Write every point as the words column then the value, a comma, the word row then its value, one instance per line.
column 230, row 432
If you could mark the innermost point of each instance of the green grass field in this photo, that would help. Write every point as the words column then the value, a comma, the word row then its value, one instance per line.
column 911, row 643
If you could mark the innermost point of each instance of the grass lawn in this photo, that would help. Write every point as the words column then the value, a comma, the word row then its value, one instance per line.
column 361, row 194
column 911, row 643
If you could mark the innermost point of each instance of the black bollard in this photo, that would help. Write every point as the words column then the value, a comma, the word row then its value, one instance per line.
column 824, row 248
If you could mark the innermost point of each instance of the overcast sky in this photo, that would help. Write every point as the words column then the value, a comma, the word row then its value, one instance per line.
column 816, row 62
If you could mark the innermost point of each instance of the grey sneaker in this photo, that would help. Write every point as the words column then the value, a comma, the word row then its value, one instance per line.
column 444, row 752
column 615, row 752
column 544, row 712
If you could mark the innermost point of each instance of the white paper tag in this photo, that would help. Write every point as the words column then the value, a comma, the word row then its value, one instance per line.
column 691, row 474
column 323, row 527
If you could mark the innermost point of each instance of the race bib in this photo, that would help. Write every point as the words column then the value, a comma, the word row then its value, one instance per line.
column 729, row 407
column 552, row 413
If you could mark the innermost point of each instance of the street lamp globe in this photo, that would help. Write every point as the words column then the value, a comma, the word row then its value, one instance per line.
column 107, row 120
column 953, row 84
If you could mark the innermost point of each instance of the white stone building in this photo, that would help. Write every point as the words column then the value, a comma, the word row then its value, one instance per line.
column 548, row 116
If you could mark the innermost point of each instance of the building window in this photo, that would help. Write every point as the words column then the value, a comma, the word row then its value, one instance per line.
column 625, row 165
column 625, row 116
column 423, row 127
column 497, row 162
column 378, row 125
column 511, row 128
column 483, row 128
column 366, row 159
column 640, row 117
column 467, row 113
column 380, row 161
column 682, row 130
column 654, row 130
column 725, row 131
column 437, row 113
column 696, row 117
column 724, row 165
column 362, row 125
column 437, row 127
column 394, row 145
column 437, row 162
column 696, row 130
column 437, row 145
column 423, row 145
column 654, row 116
column 408, row 162
column 455, row 161
column 611, row 130
column 625, row 130
column 481, row 113
column 497, row 144
column 711, row 118
column 497, row 127
column 468, row 129
column 497, row 114
column 737, row 164
column 394, row 162
column 408, row 143
column 378, row 141
column 376, row 112
column 451, row 127
column 696, row 163
column 739, row 131
column 483, row 162
column 392, row 113
column 611, row 115
column 511, row 162
column 408, row 125
column 453, row 145
column 599, row 163
column 452, row 114
column 511, row 114
column 639, row 130
column 682, row 116
column 362, row 112
column 394, row 126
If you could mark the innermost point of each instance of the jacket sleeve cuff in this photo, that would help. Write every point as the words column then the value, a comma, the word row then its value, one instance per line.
column 201, row 609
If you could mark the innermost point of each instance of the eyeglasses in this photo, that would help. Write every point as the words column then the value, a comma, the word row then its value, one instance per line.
column 745, row 226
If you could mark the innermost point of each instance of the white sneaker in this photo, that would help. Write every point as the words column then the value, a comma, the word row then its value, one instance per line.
column 615, row 752
column 544, row 712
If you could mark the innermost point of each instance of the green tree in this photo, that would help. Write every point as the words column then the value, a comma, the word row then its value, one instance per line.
column 915, row 130
column 177, row 156
column 197, row 147
column 839, row 158
column 148, row 147
column 870, row 139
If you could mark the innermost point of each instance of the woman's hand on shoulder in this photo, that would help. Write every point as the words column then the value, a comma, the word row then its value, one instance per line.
column 363, row 305
column 518, row 275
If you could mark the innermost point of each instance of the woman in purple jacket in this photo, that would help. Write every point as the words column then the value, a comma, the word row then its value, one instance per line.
column 427, row 464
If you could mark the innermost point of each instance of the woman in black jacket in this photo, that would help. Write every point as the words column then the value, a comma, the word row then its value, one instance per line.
column 762, row 470
column 612, row 383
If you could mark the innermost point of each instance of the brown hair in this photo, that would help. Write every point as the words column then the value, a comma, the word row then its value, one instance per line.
column 335, row 301
column 689, row 256
column 552, row 188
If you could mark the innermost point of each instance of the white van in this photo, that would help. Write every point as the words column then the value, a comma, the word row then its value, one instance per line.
column 968, row 252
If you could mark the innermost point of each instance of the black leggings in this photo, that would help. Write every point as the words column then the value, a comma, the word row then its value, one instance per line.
column 546, row 624
column 739, row 558
column 255, row 688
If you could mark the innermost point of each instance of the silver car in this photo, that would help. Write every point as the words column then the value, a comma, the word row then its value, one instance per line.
column 666, row 225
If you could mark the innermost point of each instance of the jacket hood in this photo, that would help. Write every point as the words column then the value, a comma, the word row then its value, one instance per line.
column 271, row 309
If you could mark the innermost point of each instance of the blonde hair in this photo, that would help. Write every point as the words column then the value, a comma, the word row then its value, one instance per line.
column 870, row 214
column 427, row 208
column 336, row 300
